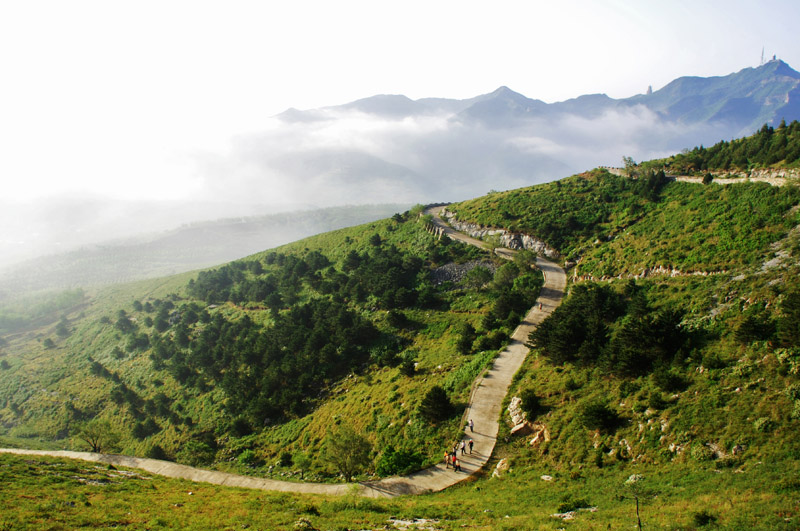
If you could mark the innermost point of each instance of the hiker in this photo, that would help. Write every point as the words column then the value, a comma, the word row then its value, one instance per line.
column 463, row 447
column 471, row 425
column 456, row 465
column 540, row 305
column 454, row 460
column 471, row 442
column 446, row 460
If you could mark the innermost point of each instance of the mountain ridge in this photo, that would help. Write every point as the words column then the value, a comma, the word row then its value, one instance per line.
column 676, row 100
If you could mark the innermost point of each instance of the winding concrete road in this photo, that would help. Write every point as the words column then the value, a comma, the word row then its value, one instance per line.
column 484, row 409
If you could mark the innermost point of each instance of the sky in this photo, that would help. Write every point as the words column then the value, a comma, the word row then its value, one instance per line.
column 121, row 99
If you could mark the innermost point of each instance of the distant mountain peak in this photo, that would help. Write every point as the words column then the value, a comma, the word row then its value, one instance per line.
column 778, row 67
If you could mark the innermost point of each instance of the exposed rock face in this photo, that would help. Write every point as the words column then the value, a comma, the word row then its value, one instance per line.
column 772, row 176
column 512, row 240
column 455, row 273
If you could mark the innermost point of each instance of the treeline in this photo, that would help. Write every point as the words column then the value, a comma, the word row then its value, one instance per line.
column 768, row 147
column 618, row 331
column 391, row 277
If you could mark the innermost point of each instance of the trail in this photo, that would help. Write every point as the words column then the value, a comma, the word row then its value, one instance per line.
column 484, row 408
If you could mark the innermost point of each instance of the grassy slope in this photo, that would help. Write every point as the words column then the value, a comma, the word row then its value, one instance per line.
column 722, row 404
column 45, row 390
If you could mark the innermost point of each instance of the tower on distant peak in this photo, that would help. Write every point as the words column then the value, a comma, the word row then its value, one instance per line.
column 762, row 57
column 649, row 89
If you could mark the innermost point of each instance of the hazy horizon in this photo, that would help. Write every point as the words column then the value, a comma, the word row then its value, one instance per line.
column 124, row 119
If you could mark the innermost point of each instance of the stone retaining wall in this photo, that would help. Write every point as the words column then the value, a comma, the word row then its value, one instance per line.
column 512, row 240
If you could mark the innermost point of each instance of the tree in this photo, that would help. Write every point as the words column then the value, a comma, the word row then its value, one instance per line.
column 98, row 434
column 477, row 277
column 347, row 451
column 436, row 405
column 789, row 322
column 630, row 166
column 303, row 462
column 62, row 330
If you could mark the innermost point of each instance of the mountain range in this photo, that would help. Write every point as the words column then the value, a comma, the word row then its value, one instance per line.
column 392, row 149
column 742, row 101
column 438, row 148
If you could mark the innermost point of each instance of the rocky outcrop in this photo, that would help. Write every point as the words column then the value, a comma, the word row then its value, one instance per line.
column 511, row 240
column 772, row 176
column 502, row 466
column 455, row 273
column 646, row 272
column 522, row 427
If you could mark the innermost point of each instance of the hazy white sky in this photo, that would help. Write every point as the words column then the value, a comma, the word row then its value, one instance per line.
column 118, row 98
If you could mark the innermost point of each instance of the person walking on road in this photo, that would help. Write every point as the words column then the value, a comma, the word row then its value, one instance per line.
column 463, row 447
column 471, row 425
column 471, row 442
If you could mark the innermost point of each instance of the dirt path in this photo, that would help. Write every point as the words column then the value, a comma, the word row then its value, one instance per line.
column 484, row 409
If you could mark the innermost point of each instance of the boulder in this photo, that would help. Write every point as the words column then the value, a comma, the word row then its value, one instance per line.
column 515, row 411
column 502, row 466
column 540, row 434
column 523, row 428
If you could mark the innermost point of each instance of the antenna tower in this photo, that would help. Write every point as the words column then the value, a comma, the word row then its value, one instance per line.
column 762, row 57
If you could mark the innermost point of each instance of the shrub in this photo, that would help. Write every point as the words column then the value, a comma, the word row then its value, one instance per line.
column 531, row 404
column 703, row 518
column 247, row 458
column 764, row 424
column 195, row 453
column 627, row 388
column 669, row 381
column 569, row 503
column 408, row 365
column 398, row 462
column 285, row 459
column 598, row 416
column 240, row 427
column 701, row 452
column 156, row 452
column 436, row 405
column 656, row 401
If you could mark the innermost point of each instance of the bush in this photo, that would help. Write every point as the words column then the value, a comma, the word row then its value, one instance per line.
column 669, row 381
column 398, row 462
column 569, row 503
column 436, row 405
column 156, row 452
column 408, row 365
column 764, row 425
column 703, row 518
column 285, row 459
column 248, row 458
column 656, row 401
column 701, row 452
column 196, row 453
column 531, row 404
column 598, row 416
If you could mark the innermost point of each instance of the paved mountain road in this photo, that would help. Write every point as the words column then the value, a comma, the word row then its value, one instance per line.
column 484, row 409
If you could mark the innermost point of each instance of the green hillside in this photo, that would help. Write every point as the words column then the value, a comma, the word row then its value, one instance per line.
column 255, row 362
column 669, row 377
